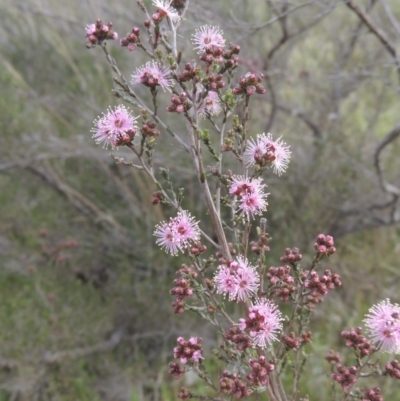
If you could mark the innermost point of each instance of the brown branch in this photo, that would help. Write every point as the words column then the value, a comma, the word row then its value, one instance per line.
column 302, row 116
column 380, row 35
column 104, row 346
column 77, row 199
column 386, row 187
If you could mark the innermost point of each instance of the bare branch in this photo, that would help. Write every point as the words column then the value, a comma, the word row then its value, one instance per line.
column 386, row 187
column 104, row 346
column 381, row 36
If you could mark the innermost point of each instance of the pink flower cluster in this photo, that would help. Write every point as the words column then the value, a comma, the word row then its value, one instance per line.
column 115, row 128
column 211, row 105
column 263, row 321
column 265, row 150
column 152, row 74
column 188, row 351
column 239, row 280
column 98, row 32
column 207, row 37
column 250, row 193
column 231, row 383
column 178, row 233
column 165, row 10
column 383, row 325
column 260, row 368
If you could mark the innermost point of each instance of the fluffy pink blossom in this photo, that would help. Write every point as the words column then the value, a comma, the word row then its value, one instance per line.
column 178, row 233
column 239, row 280
column 266, row 150
column 207, row 36
column 264, row 320
column 251, row 194
column 115, row 127
column 90, row 29
column 167, row 238
column 165, row 9
column 383, row 324
column 224, row 281
column 247, row 280
column 186, row 228
column 210, row 105
column 152, row 74
column 253, row 203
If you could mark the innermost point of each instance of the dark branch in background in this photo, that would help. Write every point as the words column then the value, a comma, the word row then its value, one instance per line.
column 104, row 346
column 78, row 200
column 285, row 37
column 381, row 36
column 355, row 37
column 391, row 190
column 365, row 218
column 303, row 117
column 282, row 19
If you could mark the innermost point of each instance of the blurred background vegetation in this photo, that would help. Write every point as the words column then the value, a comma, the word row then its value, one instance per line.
column 85, row 309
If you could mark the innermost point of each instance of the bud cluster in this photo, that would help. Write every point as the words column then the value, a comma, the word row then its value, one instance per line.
column 319, row 285
column 157, row 197
column 259, row 371
column 131, row 39
column 373, row 395
column 324, row 245
column 242, row 340
column 293, row 342
column 148, row 129
column 261, row 245
column 184, row 394
column 179, row 104
column 219, row 55
column 189, row 351
column 282, row 282
column 98, row 32
column 333, row 357
column 176, row 370
column 197, row 248
column 345, row 376
column 355, row 339
column 393, row 369
column 182, row 287
column 189, row 73
column 220, row 257
column 230, row 383
column 214, row 82
column 249, row 84
column 292, row 255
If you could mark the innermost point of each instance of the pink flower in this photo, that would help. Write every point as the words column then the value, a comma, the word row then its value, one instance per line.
column 165, row 9
column 115, row 127
column 225, row 281
column 211, row 105
column 383, row 324
column 247, row 280
column 178, row 233
column 207, row 36
column 253, row 203
column 166, row 238
column 186, row 228
column 250, row 193
column 90, row 29
column 239, row 280
column 152, row 74
column 266, row 150
column 263, row 321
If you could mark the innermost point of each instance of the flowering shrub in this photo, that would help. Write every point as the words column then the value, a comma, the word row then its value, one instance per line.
column 266, row 339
